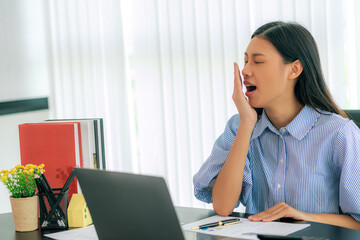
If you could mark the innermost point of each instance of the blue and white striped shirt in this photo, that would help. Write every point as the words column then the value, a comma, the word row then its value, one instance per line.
column 312, row 164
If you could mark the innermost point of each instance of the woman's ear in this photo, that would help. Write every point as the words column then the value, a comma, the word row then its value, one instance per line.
column 296, row 69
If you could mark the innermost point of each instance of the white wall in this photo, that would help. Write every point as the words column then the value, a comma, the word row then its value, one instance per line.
column 10, row 149
column 23, row 74
column 23, row 50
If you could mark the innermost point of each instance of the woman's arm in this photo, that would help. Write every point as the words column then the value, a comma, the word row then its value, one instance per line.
column 283, row 210
column 228, row 184
column 342, row 220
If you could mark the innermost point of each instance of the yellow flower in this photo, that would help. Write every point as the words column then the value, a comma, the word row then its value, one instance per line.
column 5, row 173
column 20, row 180
column 30, row 166
column 3, row 178
column 19, row 167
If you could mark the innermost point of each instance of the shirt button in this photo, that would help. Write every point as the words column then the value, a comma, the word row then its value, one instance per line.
column 282, row 160
column 278, row 186
column 283, row 130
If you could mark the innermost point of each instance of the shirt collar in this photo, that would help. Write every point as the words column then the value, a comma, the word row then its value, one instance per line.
column 303, row 122
column 298, row 127
column 260, row 126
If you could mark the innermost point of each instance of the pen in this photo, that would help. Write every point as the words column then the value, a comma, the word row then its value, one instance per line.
column 274, row 237
column 219, row 223
column 56, row 204
column 54, row 208
column 42, row 203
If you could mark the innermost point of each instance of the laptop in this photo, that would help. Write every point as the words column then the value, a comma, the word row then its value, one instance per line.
column 129, row 206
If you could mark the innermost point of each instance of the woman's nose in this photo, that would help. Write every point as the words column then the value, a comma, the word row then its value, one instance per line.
column 246, row 72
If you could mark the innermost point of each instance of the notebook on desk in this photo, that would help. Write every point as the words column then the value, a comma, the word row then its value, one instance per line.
column 129, row 206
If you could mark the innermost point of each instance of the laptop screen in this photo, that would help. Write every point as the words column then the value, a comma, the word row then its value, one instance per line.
column 129, row 206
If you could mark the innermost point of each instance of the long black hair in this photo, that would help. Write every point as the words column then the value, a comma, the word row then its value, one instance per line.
column 295, row 42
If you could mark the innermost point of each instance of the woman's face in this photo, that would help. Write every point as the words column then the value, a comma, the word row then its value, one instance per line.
column 266, row 75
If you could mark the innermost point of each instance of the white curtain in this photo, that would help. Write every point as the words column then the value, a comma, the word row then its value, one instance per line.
column 86, row 52
column 160, row 72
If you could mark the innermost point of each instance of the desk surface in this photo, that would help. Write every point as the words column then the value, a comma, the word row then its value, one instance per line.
column 187, row 215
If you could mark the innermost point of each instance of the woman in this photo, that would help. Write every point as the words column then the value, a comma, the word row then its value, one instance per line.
column 296, row 155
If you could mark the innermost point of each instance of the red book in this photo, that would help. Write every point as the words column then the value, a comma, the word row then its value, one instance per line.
column 55, row 144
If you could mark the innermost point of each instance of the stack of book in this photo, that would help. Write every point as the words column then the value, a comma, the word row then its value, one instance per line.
column 62, row 144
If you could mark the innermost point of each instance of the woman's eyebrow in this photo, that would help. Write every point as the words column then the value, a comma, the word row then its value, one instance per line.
column 255, row 54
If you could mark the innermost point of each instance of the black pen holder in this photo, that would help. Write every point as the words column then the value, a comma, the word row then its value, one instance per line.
column 53, row 209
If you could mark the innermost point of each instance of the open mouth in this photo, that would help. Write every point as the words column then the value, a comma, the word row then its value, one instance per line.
column 250, row 88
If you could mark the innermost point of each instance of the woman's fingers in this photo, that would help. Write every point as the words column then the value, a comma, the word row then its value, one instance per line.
column 260, row 216
column 275, row 214
column 238, row 93
column 278, row 211
column 237, row 77
column 238, row 84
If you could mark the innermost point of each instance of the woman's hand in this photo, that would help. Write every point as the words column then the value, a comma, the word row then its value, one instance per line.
column 280, row 210
column 246, row 112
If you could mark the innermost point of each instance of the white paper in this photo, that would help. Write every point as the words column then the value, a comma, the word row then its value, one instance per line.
column 85, row 233
column 245, row 229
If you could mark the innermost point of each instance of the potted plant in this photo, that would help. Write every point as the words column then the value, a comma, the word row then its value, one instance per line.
column 20, row 181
